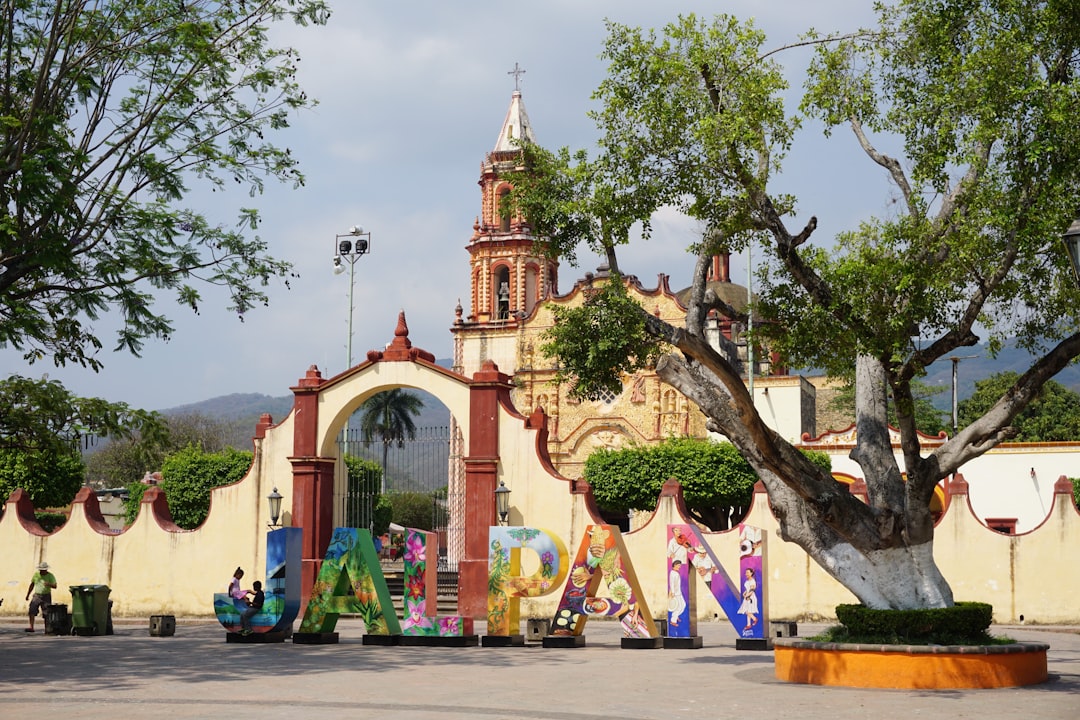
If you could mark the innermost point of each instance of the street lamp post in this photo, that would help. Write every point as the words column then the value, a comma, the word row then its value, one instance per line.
column 274, row 499
column 348, row 247
column 502, row 502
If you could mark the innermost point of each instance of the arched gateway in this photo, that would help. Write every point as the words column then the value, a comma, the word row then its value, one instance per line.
column 494, row 442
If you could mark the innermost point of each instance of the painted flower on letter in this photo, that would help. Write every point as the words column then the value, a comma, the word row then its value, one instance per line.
column 414, row 548
column 414, row 615
column 414, row 586
column 450, row 626
column 547, row 564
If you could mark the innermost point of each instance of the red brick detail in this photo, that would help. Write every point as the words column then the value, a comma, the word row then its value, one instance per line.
column 154, row 502
column 481, row 473
column 91, row 510
column 312, row 510
column 672, row 488
column 858, row 487
column 264, row 424
column 24, row 511
column 306, row 413
column 956, row 485
column 1063, row 486
column 400, row 348
column 1005, row 526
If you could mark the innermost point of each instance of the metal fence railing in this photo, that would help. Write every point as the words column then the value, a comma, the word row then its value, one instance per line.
column 416, row 482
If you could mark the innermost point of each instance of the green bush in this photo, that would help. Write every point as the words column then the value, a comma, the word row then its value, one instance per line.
column 716, row 480
column 422, row 511
column 188, row 476
column 1076, row 490
column 50, row 479
column 964, row 623
column 51, row 521
column 364, row 502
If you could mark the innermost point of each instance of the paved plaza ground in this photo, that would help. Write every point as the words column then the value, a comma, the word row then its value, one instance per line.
column 195, row 674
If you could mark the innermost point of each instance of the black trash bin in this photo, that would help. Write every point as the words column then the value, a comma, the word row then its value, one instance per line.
column 89, row 609
column 57, row 620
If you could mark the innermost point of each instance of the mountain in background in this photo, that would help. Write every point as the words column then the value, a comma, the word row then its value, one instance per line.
column 242, row 410
column 970, row 369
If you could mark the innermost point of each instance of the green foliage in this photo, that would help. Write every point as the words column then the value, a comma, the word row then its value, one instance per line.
column 600, row 340
column 365, row 476
column 51, row 521
column 422, row 511
column 42, row 415
column 1053, row 416
column 126, row 460
column 188, row 476
column 388, row 418
column 820, row 458
column 51, row 479
column 110, row 112
column 367, row 506
column 928, row 418
column 383, row 515
column 717, row 482
column 1076, row 490
column 964, row 623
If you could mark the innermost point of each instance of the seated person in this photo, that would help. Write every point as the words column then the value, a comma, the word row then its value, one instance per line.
column 254, row 608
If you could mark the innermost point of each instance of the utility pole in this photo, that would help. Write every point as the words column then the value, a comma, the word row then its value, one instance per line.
column 956, row 361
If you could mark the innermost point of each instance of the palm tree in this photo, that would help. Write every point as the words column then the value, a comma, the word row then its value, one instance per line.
column 388, row 416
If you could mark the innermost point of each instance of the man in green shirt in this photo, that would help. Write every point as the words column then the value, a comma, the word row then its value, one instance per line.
column 41, row 586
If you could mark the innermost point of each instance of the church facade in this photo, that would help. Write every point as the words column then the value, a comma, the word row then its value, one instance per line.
column 513, row 289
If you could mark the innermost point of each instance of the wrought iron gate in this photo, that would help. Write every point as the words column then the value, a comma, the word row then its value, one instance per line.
column 419, row 473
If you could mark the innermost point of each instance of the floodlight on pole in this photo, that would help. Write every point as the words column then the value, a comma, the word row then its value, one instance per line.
column 348, row 248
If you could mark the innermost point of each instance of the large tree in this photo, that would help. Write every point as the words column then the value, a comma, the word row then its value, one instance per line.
column 978, row 98
column 43, row 429
column 109, row 112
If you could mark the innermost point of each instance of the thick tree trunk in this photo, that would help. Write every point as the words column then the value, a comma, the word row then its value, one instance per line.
column 870, row 548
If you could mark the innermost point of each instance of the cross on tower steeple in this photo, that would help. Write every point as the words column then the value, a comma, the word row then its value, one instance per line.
column 517, row 72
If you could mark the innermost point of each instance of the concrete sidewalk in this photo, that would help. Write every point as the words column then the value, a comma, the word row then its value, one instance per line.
column 195, row 674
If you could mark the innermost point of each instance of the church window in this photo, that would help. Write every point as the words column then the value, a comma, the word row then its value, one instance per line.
column 503, row 213
column 605, row 396
column 531, row 290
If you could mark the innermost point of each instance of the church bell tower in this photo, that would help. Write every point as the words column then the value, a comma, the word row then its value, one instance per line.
column 508, row 275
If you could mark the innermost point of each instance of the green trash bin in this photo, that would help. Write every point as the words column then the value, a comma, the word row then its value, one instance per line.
column 89, row 609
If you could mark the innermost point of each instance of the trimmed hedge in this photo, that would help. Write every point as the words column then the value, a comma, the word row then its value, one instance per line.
column 965, row 620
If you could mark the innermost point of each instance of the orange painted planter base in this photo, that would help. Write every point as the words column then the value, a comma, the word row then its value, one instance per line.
column 917, row 667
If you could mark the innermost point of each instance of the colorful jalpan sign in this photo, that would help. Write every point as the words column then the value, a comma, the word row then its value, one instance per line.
column 602, row 560
column 282, row 587
column 745, row 604
column 351, row 581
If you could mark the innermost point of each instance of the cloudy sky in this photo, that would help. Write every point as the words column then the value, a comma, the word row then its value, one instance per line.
column 412, row 96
